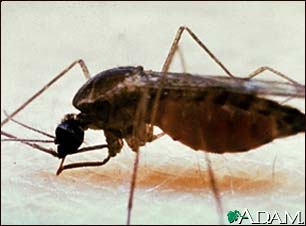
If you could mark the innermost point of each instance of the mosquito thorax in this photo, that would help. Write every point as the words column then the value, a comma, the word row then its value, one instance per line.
column 69, row 135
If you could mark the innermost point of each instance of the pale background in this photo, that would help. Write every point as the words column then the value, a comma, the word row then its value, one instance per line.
column 40, row 39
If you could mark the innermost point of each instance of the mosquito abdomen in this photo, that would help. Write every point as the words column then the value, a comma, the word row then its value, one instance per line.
column 221, row 121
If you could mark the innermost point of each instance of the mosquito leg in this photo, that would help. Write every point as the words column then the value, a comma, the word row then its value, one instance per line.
column 265, row 68
column 63, row 167
column 114, row 145
column 132, row 187
column 174, row 47
column 212, row 181
column 169, row 58
column 140, row 129
column 142, row 107
column 38, row 93
column 27, row 140
column 36, row 146
column 262, row 69
column 215, row 189
column 54, row 153
column 135, row 142
column 29, row 127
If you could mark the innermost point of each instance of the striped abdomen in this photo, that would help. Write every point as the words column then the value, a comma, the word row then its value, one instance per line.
column 221, row 121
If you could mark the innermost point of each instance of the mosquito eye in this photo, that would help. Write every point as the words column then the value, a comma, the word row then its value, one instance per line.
column 69, row 137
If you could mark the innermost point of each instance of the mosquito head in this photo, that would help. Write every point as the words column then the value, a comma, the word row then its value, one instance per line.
column 69, row 136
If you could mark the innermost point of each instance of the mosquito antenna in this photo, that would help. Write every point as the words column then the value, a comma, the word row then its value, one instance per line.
column 36, row 146
column 28, row 127
column 28, row 140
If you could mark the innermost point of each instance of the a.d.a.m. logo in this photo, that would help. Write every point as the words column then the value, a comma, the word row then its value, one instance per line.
column 264, row 217
column 234, row 216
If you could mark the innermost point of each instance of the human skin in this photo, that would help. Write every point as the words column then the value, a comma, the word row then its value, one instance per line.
column 172, row 185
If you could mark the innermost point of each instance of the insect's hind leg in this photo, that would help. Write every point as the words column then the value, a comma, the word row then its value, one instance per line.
column 265, row 68
column 262, row 69
column 215, row 189
column 39, row 92
column 259, row 71
column 175, row 44
column 174, row 47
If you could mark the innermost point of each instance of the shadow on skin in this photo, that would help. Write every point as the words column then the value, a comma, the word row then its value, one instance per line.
column 187, row 180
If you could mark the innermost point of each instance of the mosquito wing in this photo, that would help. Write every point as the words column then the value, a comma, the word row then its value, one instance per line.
column 201, row 82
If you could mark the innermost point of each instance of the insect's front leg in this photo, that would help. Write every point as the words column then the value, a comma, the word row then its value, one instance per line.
column 39, row 92
column 114, row 145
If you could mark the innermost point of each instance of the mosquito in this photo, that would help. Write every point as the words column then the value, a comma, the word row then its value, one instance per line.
column 215, row 114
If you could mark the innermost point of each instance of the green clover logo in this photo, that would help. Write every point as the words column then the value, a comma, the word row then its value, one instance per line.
column 234, row 215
